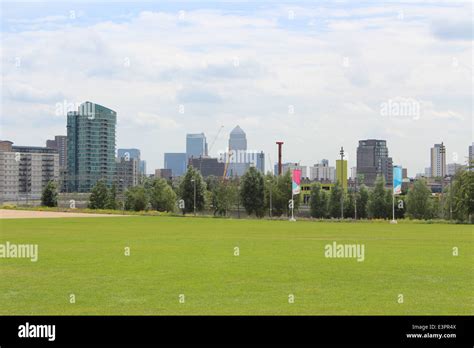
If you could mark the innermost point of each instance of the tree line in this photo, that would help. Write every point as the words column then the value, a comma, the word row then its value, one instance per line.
column 262, row 195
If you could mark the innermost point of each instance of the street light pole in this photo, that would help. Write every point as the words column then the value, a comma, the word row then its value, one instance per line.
column 270, row 189
column 194, row 182
column 355, row 198
column 442, row 151
column 342, row 182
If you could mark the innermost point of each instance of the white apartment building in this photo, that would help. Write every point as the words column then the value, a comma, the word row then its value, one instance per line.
column 25, row 171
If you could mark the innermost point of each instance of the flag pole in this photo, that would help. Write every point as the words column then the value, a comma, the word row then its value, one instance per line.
column 395, row 183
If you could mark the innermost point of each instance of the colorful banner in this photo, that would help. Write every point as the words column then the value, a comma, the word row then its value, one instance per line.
column 397, row 180
column 296, row 181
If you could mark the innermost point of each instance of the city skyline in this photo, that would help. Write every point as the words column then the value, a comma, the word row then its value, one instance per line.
column 317, row 92
column 270, row 166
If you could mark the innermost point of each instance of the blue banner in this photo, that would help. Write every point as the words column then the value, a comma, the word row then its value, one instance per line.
column 397, row 180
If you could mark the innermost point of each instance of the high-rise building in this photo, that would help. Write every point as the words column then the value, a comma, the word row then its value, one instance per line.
column 142, row 167
column 239, row 162
column 127, row 173
column 25, row 171
column 59, row 144
column 438, row 161
column 91, row 146
column 322, row 172
column 237, row 139
column 175, row 161
column 353, row 172
column 373, row 160
column 133, row 153
column 196, row 145
column 471, row 156
column 128, row 168
column 260, row 165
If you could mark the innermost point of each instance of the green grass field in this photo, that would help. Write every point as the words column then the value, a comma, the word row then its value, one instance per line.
column 195, row 257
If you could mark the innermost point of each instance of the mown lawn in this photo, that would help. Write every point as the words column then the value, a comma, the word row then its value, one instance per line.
column 195, row 257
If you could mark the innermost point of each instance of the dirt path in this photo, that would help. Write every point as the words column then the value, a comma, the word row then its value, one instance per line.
column 28, row 214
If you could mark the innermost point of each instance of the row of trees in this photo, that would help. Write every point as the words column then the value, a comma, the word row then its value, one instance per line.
column 259, row 195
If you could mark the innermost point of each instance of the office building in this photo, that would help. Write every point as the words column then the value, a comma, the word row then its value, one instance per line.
column 91, row 146
column 238, row 161
column 438, row 161
column 289, row 166
column 25, row 171
column 163, row 173
column 176, row 162
column 60, row 145
column 133, row 153
column 127, row 173
column 208, row 166
column 142, row 167
column 471, row 156
column 373, row 161
column 353, row 173
column 322, row 172
column 453, row 168
column 196, row 145
column 260, row 165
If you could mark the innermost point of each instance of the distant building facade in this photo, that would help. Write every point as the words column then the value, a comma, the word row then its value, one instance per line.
column 373, row 161
column 260, row 166
column 196, row 145
column 60, row 145
column 127, row 173
column 176, row 162
column 438, row 161
column 163, row 173
column 207, row 166
column 453, row 168
column 25, row 171
column 238, row 148
column 322, row 171
column 289, row 166
column 142, row 167
column 471, row 156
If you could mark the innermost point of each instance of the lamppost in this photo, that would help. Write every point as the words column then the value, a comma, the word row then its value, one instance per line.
column 123, row 195
column 194, row 182
column 342, row 182
column 442, row 152
column 270, row 189
column 238, row 201
column 355, row 197
column 450, row 198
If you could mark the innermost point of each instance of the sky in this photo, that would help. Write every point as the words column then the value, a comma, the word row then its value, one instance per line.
column 317, row 75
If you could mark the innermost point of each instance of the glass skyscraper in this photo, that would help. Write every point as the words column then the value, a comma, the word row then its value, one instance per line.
column 90, row 146
column 176, row 162
column 196, row 145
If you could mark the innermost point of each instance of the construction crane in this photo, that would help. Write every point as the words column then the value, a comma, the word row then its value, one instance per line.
column 214, row 140
column 227, row 162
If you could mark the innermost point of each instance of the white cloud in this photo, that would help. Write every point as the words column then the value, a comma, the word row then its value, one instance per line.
column 247, row 68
